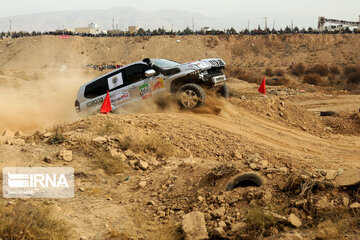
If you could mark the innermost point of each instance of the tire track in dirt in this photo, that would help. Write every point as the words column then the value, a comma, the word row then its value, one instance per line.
column 293, row 142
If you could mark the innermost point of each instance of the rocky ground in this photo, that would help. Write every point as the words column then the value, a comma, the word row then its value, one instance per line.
column 165, row 175
column 249, row 167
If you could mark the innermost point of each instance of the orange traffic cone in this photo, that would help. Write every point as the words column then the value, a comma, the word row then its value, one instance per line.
column 106, row 107
column 262, row 88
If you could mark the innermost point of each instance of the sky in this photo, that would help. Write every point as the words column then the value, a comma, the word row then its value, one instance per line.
column 345, row 9
column 280, row 13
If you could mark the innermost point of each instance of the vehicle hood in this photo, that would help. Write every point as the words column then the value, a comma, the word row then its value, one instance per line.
column 202, row 65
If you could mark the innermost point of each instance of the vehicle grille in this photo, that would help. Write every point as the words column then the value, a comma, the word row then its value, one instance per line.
column 217, row 63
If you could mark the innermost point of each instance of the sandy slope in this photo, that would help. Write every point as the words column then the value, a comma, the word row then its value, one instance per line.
column 286, row 131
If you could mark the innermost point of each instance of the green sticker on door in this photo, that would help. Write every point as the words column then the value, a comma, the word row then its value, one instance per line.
column 145, row 90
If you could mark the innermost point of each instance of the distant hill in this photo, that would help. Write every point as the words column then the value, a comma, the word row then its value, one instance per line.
column 124, row 17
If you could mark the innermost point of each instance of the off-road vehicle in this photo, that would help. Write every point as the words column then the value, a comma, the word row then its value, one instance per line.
column 154, row 77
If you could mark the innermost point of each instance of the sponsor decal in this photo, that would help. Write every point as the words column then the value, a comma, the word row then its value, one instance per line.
column 115, row 81
column 119, row 97
column 95, row 102
column 145, row 90
column 38, row 182
column 158, row 85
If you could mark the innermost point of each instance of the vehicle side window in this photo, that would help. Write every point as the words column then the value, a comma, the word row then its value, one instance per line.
column 97, row 88
column 135, row 73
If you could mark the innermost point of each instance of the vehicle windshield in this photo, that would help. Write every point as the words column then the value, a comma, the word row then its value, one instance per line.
column 164, row 63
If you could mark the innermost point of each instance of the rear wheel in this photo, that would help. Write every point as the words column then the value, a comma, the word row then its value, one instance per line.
column 191, row 96
column 223, row 91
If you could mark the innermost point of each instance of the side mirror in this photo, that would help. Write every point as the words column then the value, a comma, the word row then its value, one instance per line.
column 150, row 73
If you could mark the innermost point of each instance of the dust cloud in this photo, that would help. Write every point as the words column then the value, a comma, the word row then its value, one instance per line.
column 30, row 104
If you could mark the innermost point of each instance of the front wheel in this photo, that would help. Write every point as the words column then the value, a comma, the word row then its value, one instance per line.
column 191, row 96
column 223, row 91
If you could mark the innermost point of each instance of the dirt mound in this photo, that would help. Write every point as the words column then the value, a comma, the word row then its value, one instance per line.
column 278, row 109
column 344, row 123
column 140, row 171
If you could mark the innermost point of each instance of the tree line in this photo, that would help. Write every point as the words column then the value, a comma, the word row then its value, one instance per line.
column 186, row 31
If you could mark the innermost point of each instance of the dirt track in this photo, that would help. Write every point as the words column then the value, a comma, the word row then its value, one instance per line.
column 284, row 131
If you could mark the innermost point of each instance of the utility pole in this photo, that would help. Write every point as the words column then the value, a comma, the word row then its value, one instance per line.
column 292, row 24
column 248, row 25
column 10, row 27
column 266, row 24
column 113, row 24
column 274, row 24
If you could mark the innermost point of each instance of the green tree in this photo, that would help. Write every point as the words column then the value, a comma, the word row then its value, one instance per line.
column 287, row 29
column 141, row 31
column 231, row 31
column 188, row 30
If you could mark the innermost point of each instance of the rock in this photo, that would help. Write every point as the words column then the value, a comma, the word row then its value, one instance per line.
column 162, row 214
column 323, row 203
column 82, row 189
column 142, row 184
column 222, row 224
column 218, row 213
column 65, row 155
column 100, row 140
column 253, row 166
column 152, row 161
column 238, row 227
column 200, row 198
column 355, row 205
column 142, row 165
column 270, row 176
column 20, row 134
column 264, row 164
column 294, row 220
column 219, row 232
column 84, row 238
column 17, row 142
column 331, row 175
column 47, row 134
column 348, row 178
column 193, row 226
column 237, row 154
column 303, row 128
column 117, row 153
column 2, row 140
column 282, row 185
column 47, row 159
column 254, row 158
column 133, row 163
column 346, row 201
column 130, row 154
column 327, row 230
column 8, row 134
column 284, row 170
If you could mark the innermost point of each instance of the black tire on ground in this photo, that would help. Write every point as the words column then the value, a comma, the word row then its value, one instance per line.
column 244, row 180
column 223, row 91
column 327, row 113
column 191, row 96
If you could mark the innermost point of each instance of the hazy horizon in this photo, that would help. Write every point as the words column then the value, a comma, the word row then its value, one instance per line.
column 40, row 15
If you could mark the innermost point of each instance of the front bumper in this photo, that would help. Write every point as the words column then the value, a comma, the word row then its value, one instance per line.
column 218, row 80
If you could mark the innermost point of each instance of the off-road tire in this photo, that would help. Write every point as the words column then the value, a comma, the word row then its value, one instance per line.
column 223, row 91
column 327, row 113
column 248, row 179
column 196, row 96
